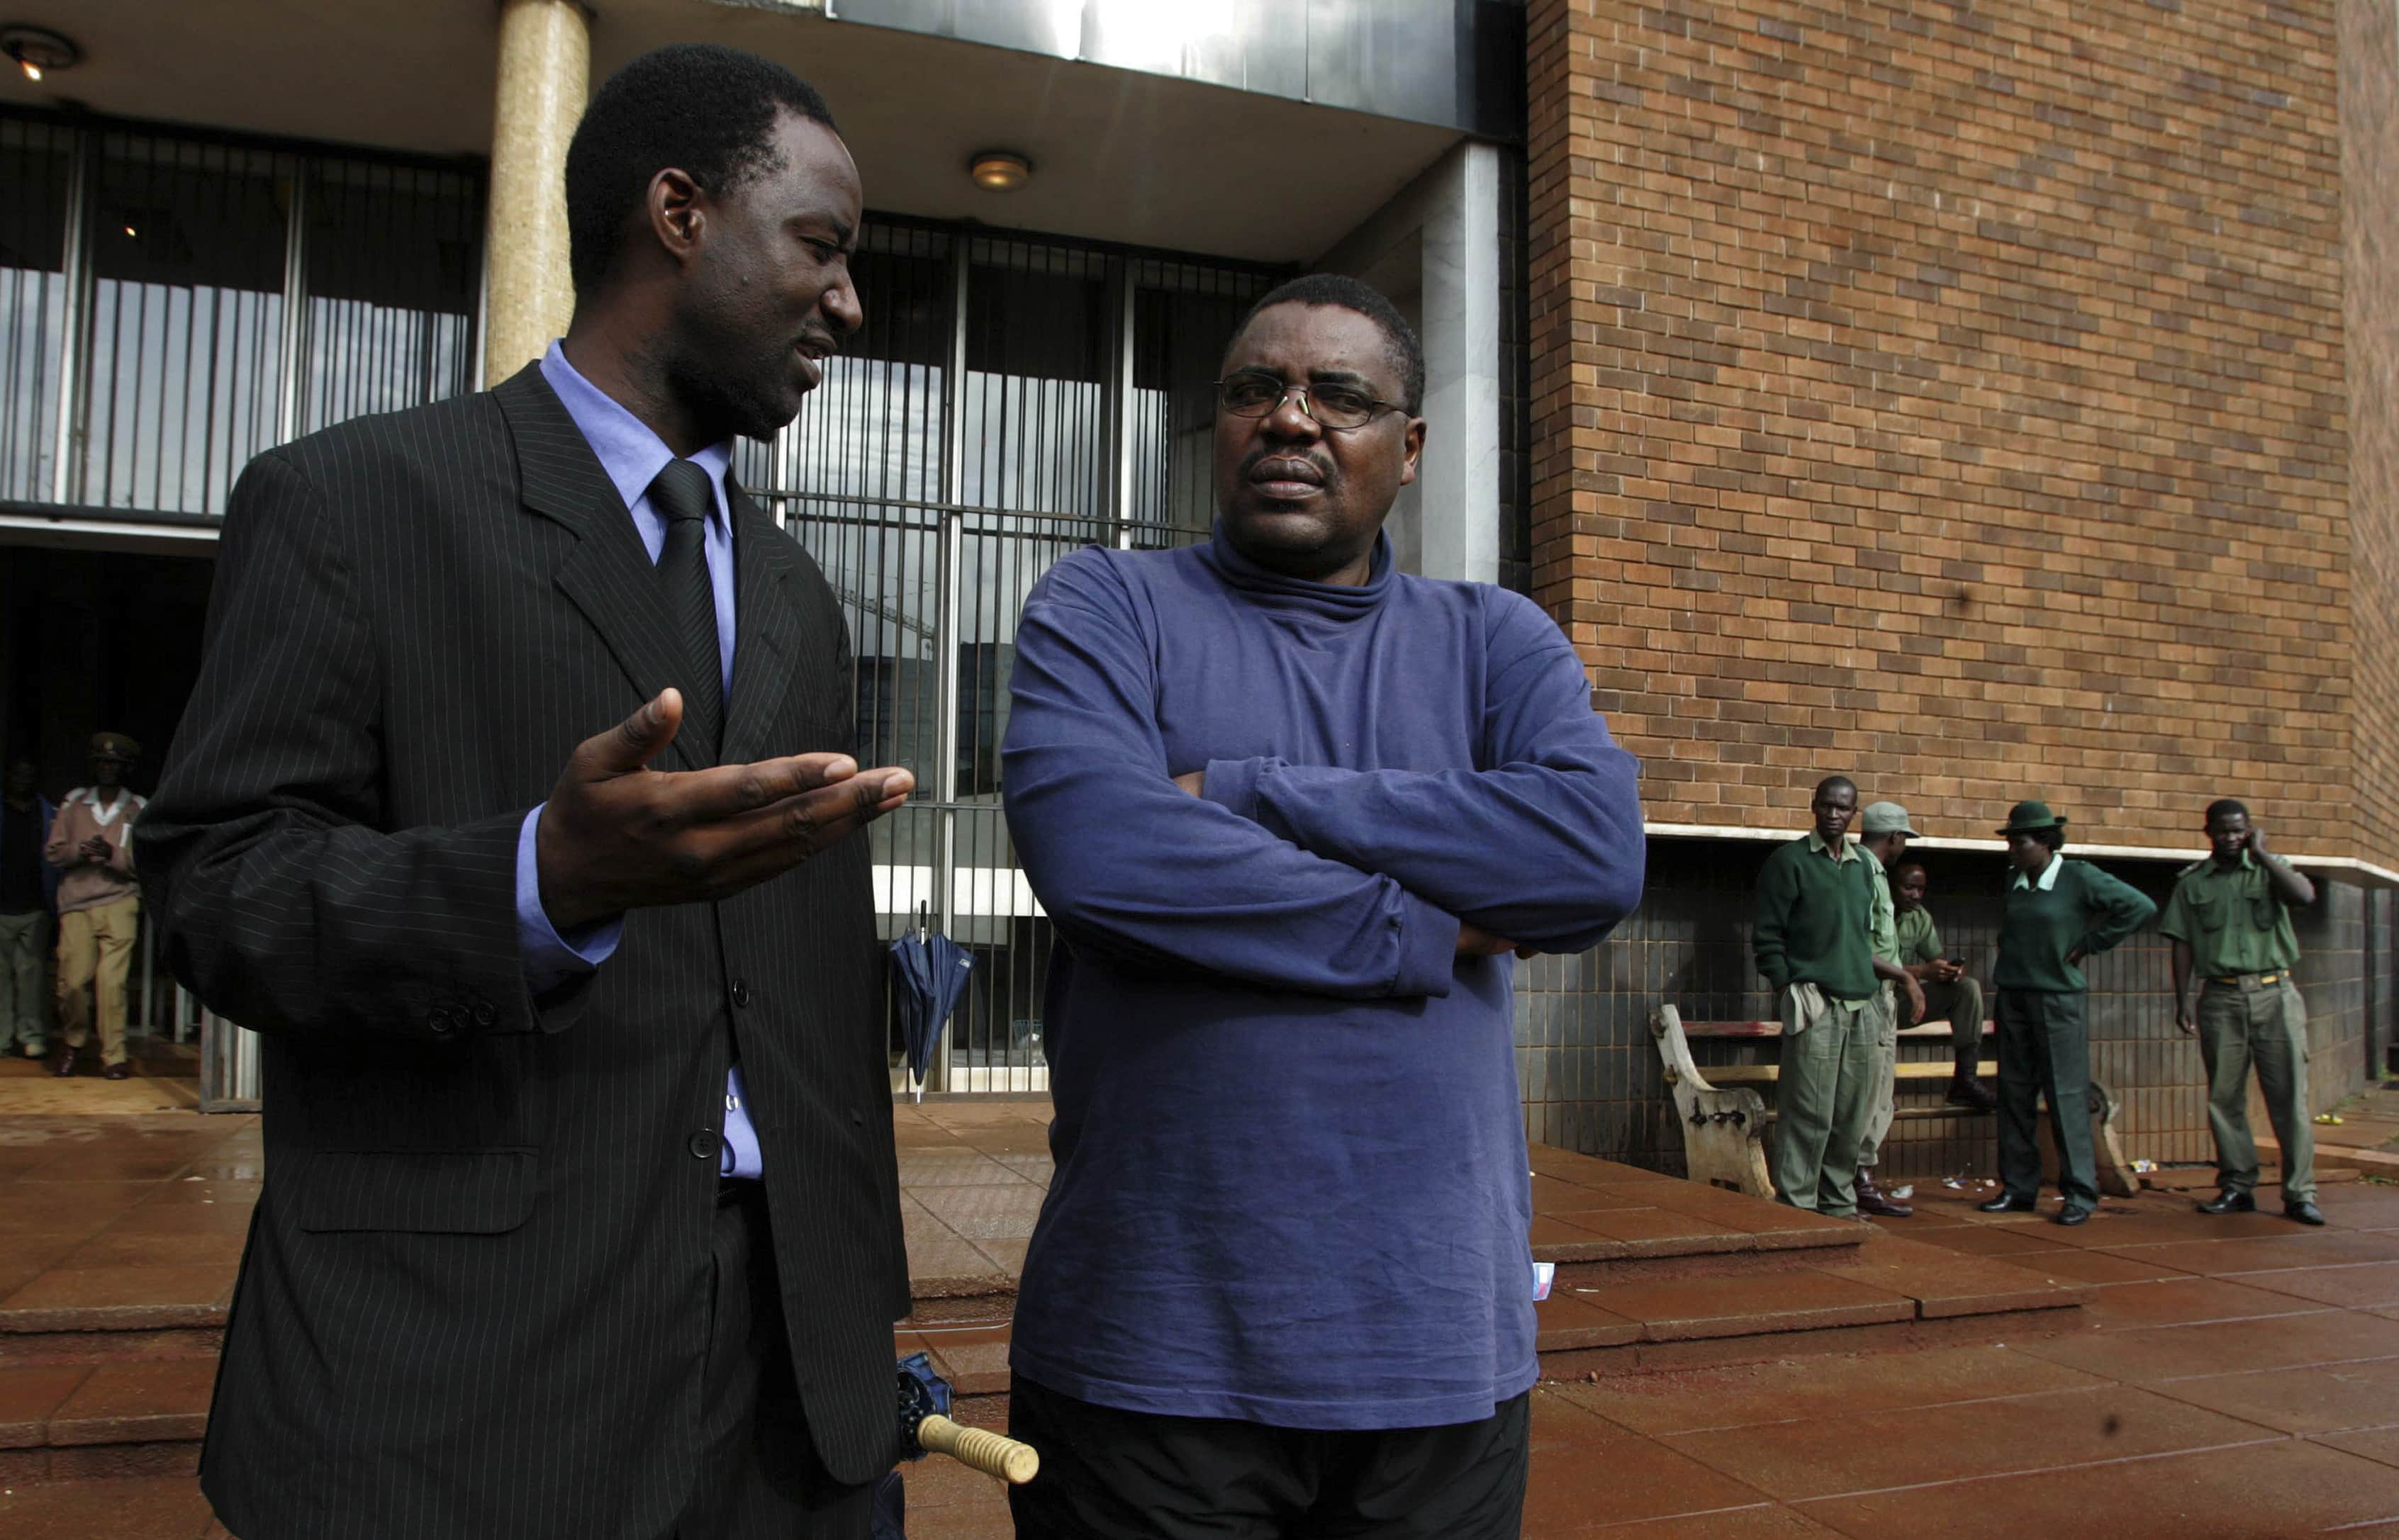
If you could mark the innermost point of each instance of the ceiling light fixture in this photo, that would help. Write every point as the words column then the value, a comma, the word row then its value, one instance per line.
column 38, row 51
column 999, row 171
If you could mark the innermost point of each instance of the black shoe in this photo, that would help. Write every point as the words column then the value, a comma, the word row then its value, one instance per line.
column 117, row 1072
column 1874, row 1200
column 2072, row 1214
column 2229, row 1202
column 2304, row 1211
column 1967, row 1092
column 64, row 1064
column 2003, row 1204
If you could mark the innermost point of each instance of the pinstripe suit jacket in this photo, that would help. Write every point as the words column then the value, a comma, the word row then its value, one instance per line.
column 474, row 1299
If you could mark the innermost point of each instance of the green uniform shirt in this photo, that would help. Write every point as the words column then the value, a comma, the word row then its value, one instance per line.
column 2072, row 905
column 2232, row 918
column 1919, row 940
column 1885, row 929
column 1815, row 919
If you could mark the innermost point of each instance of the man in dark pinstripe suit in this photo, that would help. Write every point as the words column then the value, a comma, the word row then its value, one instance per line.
column 580, row 1215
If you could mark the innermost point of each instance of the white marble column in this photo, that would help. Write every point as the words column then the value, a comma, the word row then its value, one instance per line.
column 1434, row 249
column 545, row 65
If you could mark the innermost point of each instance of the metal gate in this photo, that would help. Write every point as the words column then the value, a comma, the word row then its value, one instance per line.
column 1010, row 400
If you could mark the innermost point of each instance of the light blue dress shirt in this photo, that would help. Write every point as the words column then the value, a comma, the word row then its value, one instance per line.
column 633, row 456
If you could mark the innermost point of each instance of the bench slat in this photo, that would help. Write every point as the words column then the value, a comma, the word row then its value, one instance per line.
column 1774, row 1028
column 1767, row 1075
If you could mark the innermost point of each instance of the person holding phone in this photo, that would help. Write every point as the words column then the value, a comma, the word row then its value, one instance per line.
column 1949, row 991
column 2230, row 919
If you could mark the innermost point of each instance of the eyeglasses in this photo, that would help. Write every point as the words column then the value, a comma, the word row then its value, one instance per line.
column 1337, row 406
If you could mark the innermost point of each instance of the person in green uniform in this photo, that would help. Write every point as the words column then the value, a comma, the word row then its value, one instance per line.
column 1813, row 940
column 2058, row 912
column 1885, row 838
column 1950, row 993
column 2230, row 919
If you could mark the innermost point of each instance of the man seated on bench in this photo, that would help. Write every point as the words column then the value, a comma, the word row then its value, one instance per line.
column 1949, row 990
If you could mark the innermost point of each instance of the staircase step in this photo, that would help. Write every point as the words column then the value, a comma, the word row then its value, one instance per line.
column 62, row 1422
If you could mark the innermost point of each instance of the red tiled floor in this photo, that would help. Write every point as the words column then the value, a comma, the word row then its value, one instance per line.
column 135, row 1403
column 2263, row 1492
column 1818, row 1389
column 2186, row 1302
column 2359, row 1286
column 2179, row 1352
column 146, row 1508
column 1587, row 1472
column 2380, row 1444
column 2313, row 1398
column 1823, row 1457
column 1684, row 1309
column 2263, row 1254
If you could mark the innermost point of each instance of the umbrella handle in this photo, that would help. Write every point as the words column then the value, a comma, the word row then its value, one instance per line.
column 1004, row 1458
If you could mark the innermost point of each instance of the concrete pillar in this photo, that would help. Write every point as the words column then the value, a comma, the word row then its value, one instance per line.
column 1434, row 248
column 545, row 67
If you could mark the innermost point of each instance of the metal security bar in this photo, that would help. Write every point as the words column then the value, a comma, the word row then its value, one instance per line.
column 1010, row 400
column 173, row 302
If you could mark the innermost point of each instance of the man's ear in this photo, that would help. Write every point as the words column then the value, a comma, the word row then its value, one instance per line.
column 677, row 219
column 1412, row 446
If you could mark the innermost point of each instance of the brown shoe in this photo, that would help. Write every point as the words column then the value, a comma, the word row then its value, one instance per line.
column 64, row 1064
column 117, row 1071
column 1872, row 1200
column 1965, row 1090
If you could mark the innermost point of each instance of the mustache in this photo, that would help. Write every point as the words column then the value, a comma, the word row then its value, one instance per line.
column 1258, row 456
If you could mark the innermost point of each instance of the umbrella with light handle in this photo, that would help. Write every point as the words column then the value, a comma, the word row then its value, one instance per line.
column 926, row 1428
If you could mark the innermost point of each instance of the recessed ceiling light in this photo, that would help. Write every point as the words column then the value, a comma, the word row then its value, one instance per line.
column 999, row 171
column 38, row 51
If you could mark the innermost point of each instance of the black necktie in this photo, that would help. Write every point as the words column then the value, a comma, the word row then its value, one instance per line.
column 682, row 493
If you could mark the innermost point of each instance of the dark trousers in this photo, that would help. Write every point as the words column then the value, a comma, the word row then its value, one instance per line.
column 1113, row 1475
column 2045, row 1051
column 759, row 1475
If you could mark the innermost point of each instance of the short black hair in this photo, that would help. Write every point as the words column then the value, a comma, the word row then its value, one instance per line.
column 1904, row 868
column 2053, row 838
column 1830, row 783
column 2224, row 807
column 701, row 108
column 1341, row 292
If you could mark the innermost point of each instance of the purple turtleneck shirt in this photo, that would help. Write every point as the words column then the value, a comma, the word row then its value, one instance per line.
column 1291, row 1178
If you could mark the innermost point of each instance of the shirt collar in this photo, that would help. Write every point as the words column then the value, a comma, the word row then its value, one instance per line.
column 2048, row 874
column 629, row 452
column 1816, row 846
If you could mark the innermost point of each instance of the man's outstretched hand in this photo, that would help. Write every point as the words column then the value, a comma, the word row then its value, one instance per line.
column 618, row 836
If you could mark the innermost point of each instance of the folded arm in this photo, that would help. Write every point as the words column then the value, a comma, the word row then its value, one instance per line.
column 285, row 906
column 1129, row 865
column 1544, row 849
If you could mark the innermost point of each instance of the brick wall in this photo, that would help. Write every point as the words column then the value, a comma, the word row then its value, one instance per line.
column 2369, row 159
column 1955, row 395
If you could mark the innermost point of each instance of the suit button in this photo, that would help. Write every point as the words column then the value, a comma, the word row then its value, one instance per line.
column 484, row 1014
column 741, row 991
column 440, row 1024
column 703, row 1145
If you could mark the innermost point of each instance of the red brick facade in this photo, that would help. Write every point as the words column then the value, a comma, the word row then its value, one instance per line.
column 1962, row 396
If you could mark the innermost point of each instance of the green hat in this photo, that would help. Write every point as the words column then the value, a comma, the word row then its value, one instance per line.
column 1887, row 818
column 115, row 745
column 2030, row 815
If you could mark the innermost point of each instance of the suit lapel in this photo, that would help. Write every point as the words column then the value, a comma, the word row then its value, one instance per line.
column 608, row 575
column 762, row 625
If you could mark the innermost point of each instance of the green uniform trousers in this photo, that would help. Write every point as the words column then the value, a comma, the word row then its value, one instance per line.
column 1961, row 1004
column 1822, row 1099
column 2246, row 1024
column 24, row 982
column 2045, row 1051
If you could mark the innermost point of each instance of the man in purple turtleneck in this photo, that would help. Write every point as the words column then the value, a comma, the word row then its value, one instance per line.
column 1292, row 811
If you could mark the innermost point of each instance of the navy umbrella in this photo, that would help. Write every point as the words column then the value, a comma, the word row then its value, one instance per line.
column 932, row 973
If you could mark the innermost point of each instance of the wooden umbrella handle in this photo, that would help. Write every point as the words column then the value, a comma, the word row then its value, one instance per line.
column 993, row 1455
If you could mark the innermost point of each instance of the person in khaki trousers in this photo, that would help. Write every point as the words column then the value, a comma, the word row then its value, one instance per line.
column 99, row 903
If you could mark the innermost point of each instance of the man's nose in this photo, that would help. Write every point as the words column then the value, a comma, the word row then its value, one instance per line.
column 1288, row 420
column 843, row 308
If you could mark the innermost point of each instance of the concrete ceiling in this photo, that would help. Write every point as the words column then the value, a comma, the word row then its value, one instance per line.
column 1117, row 155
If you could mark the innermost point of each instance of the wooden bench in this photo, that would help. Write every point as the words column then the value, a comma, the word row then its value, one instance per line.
column 1724, row 1116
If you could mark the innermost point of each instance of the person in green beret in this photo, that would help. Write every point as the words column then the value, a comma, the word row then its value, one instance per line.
column 2229, row 920
column 2058, row 912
